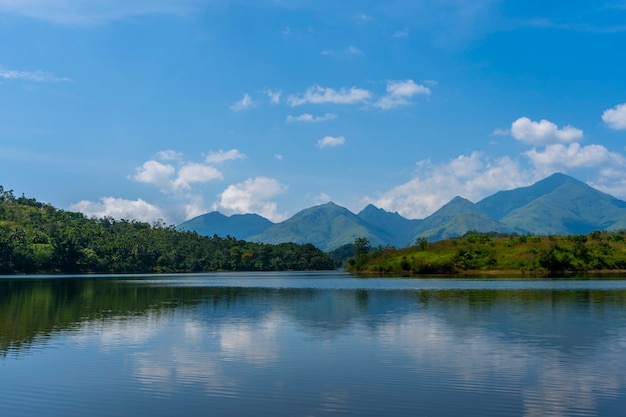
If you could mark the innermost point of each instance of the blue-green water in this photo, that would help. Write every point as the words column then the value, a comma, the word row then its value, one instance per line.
column 311, row 344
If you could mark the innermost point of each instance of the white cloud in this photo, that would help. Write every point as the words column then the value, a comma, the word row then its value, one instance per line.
column 170, row 179
column 320, row 95
column 501, row 132
column 399, row 93
column 245, row 103
column 35, row 76
column 306, row 117
column 559, row 157
column 331, row 141
column 615, row 118
column 194, row 206
column 612, row 181
column 221, row 156
column 169, row 155
column 274, row 96
column 472, row 177
column 279, row 157
column 119, row 208
column 195, row 173
column 475, row 176
column 156, row 173
column 81, row 12
column 322, row 198
column 252, row 196
column 349, row 51
column 543, row 132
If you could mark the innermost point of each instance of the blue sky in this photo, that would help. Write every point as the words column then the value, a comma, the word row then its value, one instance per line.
column 148, row 109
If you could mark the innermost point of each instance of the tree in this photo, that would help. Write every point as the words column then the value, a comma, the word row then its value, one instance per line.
column 422, row 242
column 361, row 247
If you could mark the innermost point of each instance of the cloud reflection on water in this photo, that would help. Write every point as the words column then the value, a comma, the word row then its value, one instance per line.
column 483, row 351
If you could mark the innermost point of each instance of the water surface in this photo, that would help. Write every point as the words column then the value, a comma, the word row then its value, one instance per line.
column 311, row 344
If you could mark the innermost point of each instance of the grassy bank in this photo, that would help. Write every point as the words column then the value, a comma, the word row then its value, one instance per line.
column 484, row 253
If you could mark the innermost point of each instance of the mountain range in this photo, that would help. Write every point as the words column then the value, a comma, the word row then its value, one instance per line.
column 558, row 204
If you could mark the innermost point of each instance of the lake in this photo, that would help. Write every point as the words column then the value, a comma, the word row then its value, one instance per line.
column 311, row 344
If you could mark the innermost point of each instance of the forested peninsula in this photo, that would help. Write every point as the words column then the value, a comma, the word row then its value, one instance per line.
column 38, row 238
column 485, row 253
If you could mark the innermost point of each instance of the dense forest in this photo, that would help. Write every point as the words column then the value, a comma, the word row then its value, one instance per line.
column 37, row 238
column 477, row 252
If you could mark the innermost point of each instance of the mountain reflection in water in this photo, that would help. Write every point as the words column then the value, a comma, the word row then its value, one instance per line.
column 311, row 344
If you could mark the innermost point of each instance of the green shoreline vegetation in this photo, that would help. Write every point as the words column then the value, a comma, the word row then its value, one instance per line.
column 38, row 238
column 488, row 253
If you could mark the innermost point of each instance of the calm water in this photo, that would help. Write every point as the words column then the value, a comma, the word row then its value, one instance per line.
column 311, row 344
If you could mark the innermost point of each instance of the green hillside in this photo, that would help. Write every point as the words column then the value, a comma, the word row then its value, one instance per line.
column 558, row 204
column 483, row 253
column 327, row 226
column 454, row 219
column 571, row 207
column 37, row 238
column 399, row 228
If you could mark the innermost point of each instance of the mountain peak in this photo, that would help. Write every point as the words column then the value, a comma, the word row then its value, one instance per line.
column 557, row 204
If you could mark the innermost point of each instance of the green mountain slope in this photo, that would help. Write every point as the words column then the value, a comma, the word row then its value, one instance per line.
column 401, row 229
column 241, row 226
column 503, row 203
column 38, row 238
column 455, row 219
column 571, row 207
column 558, row 204
column 327, row 226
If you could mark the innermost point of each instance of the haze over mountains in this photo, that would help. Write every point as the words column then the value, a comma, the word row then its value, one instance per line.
column 558, row 204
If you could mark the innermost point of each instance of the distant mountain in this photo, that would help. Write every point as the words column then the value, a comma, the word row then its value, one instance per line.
column 400, row 228
column 558, row 204
column 455, row 219
column 241, row 226
column 326, row 226
column 503, row 203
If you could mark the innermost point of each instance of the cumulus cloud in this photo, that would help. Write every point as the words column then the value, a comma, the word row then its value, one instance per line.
column 195, row 173
column 119, row 208
column 615, row 117
column 222, row 156
column 33, row 76
column 319, row 95
column 176, row 179
column 543, row 132
column 306, row 117
column 612, row 181
column 399, row 93
column 194, row 206
column 156, row 173
column 252, row 196
column 171, row 179
column 245, row 103
column 473, row 177
column 331, row 141
column 559, row 157
column 80, row 12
